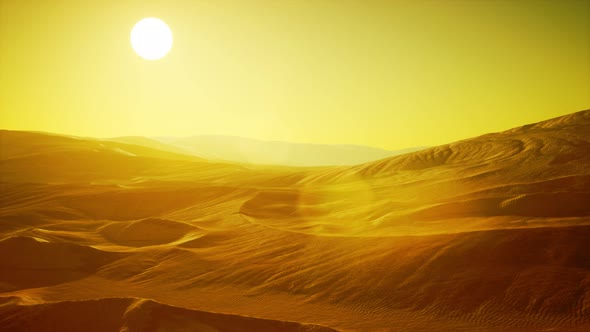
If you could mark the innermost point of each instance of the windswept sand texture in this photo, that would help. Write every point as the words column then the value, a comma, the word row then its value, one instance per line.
column 486, row 234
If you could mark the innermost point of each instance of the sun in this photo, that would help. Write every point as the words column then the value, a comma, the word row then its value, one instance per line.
column 151, row 38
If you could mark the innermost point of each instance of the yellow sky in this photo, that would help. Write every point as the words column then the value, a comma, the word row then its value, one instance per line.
column 390, row 74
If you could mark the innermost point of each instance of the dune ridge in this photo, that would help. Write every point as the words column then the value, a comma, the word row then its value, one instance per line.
column 129, row 315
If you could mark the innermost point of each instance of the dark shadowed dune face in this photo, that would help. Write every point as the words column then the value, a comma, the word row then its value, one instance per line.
column 31, row 262
column 486, row 234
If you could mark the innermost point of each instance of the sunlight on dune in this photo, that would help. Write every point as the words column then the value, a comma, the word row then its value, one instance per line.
column 484, row 234
column 304, row 166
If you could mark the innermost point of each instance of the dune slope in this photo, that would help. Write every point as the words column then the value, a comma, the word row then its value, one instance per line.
column 131, row 315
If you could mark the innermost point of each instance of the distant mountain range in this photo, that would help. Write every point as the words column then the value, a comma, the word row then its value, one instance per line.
column 248, row 150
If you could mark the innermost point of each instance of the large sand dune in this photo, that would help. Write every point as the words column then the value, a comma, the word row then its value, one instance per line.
column 131, row 315
column 485, row 234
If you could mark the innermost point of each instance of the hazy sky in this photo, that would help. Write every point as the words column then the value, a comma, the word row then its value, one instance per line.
column 390, row 74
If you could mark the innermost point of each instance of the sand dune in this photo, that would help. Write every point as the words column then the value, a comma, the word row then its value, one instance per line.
column 485, row 234
column 34, row 262
column 129, row 315
column 146, row 232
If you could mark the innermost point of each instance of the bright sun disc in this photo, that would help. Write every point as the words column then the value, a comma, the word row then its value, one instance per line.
column 151, row 38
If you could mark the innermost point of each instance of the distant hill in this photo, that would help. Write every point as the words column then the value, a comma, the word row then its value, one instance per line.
column 241, row 149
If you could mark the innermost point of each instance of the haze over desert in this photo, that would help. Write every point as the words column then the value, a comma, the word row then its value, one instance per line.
column 294, row 165
column 485, row 234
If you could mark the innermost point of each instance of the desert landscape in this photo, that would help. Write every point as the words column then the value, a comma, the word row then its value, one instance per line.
column 485, row 234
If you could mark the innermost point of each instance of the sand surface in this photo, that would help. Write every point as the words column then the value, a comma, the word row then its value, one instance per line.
column 486, row 234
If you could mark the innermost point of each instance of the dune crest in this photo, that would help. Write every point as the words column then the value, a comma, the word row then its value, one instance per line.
column 132, row 315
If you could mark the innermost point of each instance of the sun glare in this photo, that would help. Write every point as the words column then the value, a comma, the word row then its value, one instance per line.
column 151, row 38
